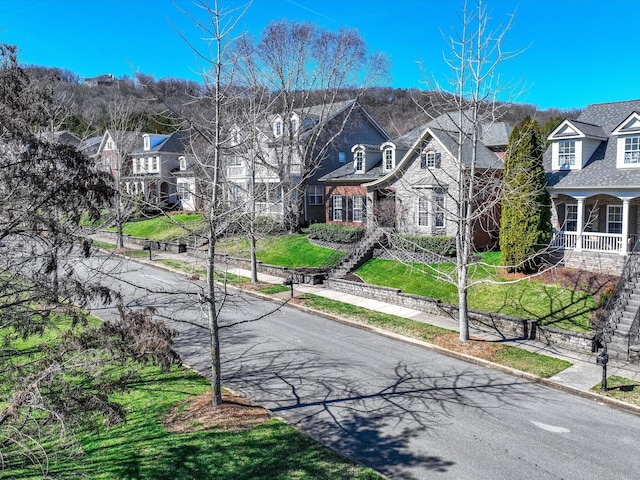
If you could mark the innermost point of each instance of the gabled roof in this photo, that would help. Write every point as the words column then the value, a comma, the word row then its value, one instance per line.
column 577, row 129
column 131, row 139
column 485, row 158
column 317, row 115
column 600, row 169
column 175, row 142
column 492, row 134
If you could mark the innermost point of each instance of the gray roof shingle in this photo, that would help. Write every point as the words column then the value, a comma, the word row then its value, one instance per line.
column 600, row 170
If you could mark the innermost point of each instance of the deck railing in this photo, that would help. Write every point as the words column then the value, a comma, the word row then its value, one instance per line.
column 593, row 241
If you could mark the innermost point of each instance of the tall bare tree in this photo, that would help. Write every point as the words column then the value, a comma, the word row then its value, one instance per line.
column 307, row 70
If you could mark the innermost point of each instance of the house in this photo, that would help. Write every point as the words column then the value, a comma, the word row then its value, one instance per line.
column 593, row 177
column 105, row 79
column 291, row 152
column 115, row 149
column 410, row 183
column 155, row 171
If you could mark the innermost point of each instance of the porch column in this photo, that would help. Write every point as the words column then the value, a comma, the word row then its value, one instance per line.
column 625, row 227
column 580, row 226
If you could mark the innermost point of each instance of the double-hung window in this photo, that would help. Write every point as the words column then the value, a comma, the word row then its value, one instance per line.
column 338, row 208
column 423, row 212
column 571, row 218
column 357, row 208
column 388, row 159
column 614, row 219
column 359, row 161
column 567, row 153
column 438, row 210
column 632, row 150
column 315, row 195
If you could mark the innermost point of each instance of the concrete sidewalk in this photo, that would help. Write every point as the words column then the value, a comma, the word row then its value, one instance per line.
column 580, row 377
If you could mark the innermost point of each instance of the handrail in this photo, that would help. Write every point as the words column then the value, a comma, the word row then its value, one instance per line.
column 619, row 297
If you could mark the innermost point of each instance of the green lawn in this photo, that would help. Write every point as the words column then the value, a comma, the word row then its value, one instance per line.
column 142, row 448
column 164, row 228
column 292, row 251
column 552, row 306
column 620, row 388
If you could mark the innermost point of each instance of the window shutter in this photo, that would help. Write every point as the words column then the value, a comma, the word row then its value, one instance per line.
column 344, row 208
column 331, row 208
column 349, row 217
column 423, row 160
column 364, row 209
column 438, row 160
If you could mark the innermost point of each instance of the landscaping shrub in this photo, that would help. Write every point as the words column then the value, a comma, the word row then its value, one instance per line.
column 438, row 244
column 335, row 233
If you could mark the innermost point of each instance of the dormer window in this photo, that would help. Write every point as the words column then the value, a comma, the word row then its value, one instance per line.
column 566, row 153
column 294, row 124
column 388, row 156
column 631, row 150
column 147, row 142
column 358, row 161
column 183, row 163
column 277, row 127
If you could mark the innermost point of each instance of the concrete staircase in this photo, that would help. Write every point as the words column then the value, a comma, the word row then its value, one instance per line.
column 361, row 253
column 620, row 323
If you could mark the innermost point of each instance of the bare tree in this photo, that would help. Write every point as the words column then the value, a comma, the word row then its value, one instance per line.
column 464, row 198
column 307, row 69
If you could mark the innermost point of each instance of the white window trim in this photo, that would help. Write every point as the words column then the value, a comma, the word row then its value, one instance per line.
column 359, row 154
column 360, row 200
column 425, row 211
column 388, row 164
column 621, row 152
column 338, row 207
column 610, row 213
column 437, row 210
column 566, row 217
column 567, row 144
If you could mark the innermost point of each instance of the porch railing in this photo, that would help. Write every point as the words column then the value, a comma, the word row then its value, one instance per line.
column 593, row 241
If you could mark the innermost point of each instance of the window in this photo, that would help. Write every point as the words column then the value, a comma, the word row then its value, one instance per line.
column 571, row 218
column 315, row 195
column 342, row 157
column 388, row 159
column 358, row 161
column 183, row 163
column 294, row 124
column 153, row 164
column 184, row 192
column 614, row 218
column 277, row 128
column 438, row 210
column 429, row 160
column 423, row 212
column 357, row 208
column 632, row 150
column 337, row 207
column 147, row 142
column 566, row 153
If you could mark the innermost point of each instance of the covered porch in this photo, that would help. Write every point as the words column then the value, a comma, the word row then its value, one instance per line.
column 606, row 223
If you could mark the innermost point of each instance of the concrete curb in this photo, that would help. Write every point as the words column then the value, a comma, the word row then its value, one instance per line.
column 596, row 397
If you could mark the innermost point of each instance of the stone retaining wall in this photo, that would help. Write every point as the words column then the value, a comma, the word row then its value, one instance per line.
column 174, row 247
column 503, row 325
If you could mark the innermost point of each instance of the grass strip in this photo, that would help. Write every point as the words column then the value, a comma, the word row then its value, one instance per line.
column 519, row 359
column 621, row 388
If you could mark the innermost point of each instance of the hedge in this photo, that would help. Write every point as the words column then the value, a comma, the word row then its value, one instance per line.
column 335, row 233
column 438, row 244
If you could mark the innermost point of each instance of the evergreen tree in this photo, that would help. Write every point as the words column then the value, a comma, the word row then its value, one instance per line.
column 525, row 226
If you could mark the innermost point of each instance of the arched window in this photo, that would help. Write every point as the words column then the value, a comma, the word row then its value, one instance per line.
column 358, row 161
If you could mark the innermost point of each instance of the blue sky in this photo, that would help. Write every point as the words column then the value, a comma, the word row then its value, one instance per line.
column 577, row 52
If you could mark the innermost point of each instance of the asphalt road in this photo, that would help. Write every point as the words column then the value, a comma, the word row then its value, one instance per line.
column 408, row 412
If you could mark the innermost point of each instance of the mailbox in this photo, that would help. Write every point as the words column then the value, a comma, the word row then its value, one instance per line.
column 602, row 359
